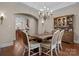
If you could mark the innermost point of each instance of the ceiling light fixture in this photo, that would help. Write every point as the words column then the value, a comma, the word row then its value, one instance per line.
column 45, row 13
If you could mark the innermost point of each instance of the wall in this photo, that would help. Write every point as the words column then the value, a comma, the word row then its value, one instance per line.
column 73, row 9
column 21, row 21
column 47, row 26
column 32, row 26
column 7, row 29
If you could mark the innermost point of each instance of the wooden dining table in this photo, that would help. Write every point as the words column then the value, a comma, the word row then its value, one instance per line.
column 42, row 37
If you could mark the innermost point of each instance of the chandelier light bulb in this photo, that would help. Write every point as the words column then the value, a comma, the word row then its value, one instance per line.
column 42, row 21
column 2, row 14
column 47, row 8
column 51, row 11
column 41, row 9
column 44, row 7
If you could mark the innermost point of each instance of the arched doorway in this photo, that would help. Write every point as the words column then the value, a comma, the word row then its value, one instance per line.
column 24, row 20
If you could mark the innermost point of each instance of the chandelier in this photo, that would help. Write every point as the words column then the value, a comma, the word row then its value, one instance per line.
column 45, row 13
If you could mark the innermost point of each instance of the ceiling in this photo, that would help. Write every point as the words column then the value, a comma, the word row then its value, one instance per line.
column 50, row 5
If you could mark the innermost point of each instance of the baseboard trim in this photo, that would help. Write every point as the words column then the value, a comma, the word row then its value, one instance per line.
column 77, row 42
column 6, row 44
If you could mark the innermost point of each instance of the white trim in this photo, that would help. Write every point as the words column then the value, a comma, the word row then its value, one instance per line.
column 76, row 41
column 6, row 44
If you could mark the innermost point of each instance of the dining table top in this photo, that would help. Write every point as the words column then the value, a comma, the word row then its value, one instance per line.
column 42, row 37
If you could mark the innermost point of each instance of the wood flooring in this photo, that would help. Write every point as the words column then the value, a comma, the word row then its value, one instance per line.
column 17, row 49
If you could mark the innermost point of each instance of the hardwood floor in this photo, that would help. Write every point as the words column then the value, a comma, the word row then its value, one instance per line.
column 69, row 50
column 17, row 49
column 14, row 50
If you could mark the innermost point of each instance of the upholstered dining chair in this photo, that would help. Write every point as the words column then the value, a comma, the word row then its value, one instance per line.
column 59, row 44
column 31, row 45
column 18, row 49
column 52, row 44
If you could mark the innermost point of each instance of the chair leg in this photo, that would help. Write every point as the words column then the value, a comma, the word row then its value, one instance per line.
column 56, row 51
column 39, row 50
column 51, row 52
column 29, row 52
column 23, row 52
column 60, row 46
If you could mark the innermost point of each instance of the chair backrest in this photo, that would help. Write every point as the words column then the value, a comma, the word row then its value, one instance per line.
column 27, row 38
column 22, row 35
column 60, row 36
column 21, row 42
column 55, row 37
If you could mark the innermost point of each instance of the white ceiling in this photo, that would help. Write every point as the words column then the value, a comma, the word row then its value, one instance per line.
column 50, row 5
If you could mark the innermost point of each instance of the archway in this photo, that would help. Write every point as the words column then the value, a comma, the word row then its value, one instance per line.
column 27, row 20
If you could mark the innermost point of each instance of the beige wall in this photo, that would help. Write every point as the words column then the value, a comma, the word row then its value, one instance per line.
column 33, row 23
column 47, row 26
column 21, row 21
column 7, row 29
column 73, row 9
column 32, row 26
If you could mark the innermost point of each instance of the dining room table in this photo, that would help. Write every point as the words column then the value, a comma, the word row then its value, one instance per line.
column 42, row 37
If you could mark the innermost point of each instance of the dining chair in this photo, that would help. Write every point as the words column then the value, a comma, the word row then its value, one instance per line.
column 52, row 44
column 31, row 45
column 59, row 45
column 18, row 47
